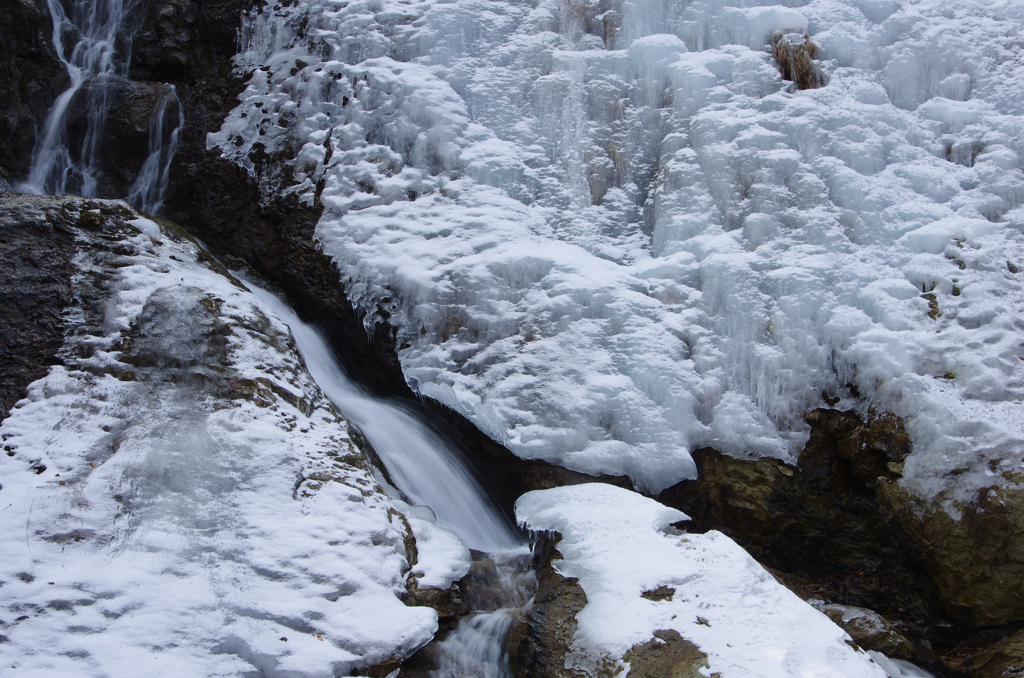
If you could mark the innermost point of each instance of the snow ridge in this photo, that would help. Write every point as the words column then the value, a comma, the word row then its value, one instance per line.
column 716, row 595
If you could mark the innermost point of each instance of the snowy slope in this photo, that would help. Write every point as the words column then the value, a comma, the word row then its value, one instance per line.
column 179, row 498
column 610, row 233
column 722, row 601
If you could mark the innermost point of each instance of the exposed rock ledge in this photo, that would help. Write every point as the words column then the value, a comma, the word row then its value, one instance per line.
column 175, row 487
column 844, row 528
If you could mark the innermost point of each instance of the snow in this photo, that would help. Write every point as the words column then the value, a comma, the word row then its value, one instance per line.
column 179, row 531
column 609, row 237
column 724, row 602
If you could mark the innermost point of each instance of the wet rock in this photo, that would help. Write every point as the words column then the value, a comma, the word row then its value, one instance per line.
column 124, row 145
column 538, row 647
column 871, row 631
column 1002, row 659
column 36, row 247
column 667, row 655
column 976, row 559
column 179, row 41
column 31, row 78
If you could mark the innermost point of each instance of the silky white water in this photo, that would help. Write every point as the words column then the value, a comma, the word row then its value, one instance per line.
column 57, row 168
column 419, row 462
column 150, row 187
column 430, row 474
column 99, row 57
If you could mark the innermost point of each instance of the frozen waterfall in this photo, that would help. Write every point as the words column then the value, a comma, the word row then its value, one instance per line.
column 609, row 232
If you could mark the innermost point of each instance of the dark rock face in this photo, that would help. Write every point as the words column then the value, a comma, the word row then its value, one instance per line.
column 539, row 646
column 1002, row 659
column 819, row 517
column 31, row 78
column 35, row 285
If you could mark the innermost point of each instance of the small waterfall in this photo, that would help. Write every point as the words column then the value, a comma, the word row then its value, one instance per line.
column 421, row 464
column 501, row 589
column 429, row 473
column 93, row 26
column 150, row 187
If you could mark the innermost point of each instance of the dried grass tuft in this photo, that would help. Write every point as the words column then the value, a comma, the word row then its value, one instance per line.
column 797, row 60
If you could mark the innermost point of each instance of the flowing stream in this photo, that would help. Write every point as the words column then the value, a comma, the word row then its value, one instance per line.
column 427, row 470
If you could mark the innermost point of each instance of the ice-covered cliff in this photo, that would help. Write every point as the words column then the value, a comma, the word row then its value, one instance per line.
column 610, row 232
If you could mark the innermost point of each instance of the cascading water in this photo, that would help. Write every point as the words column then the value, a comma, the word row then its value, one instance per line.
column 150, row 187
column 500, row 589
column 95, row 28
column 429, row 473
column 420, row 463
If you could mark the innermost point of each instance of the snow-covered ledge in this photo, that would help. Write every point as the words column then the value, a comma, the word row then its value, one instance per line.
column 620, row 544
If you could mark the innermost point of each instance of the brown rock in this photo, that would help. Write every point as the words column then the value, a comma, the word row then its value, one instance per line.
column 1002, row 659
column 977, row 561
column 821, row 520
column 538, row 648
column 871, row 631
column 667, row 655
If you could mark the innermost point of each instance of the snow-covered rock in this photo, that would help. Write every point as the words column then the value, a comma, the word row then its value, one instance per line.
column 612, row 235
column 178, row 496
column 621, row 545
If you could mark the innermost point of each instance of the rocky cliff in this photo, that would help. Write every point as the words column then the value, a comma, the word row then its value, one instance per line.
column 841, row 520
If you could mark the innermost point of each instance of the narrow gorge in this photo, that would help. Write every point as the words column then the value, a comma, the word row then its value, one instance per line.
column 512, row 339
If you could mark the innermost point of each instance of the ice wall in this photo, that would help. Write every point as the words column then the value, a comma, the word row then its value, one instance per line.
column 609, row 232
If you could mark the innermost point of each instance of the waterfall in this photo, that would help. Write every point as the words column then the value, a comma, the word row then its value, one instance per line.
column 501, row 589
column 428, row 471
column 150, row 187
column 93, row 25
column 421, row 464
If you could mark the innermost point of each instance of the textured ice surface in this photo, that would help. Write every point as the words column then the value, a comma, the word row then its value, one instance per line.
column 177, row 531
column 610, row 233
column 724, row 602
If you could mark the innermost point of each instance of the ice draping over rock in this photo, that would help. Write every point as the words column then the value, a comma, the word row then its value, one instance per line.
column 610, row 233
column 721, row 599
column 178, row 498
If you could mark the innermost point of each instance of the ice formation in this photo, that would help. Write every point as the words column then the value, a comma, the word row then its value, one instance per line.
column 610, row 233
column 721, row 599
column 153, row 527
